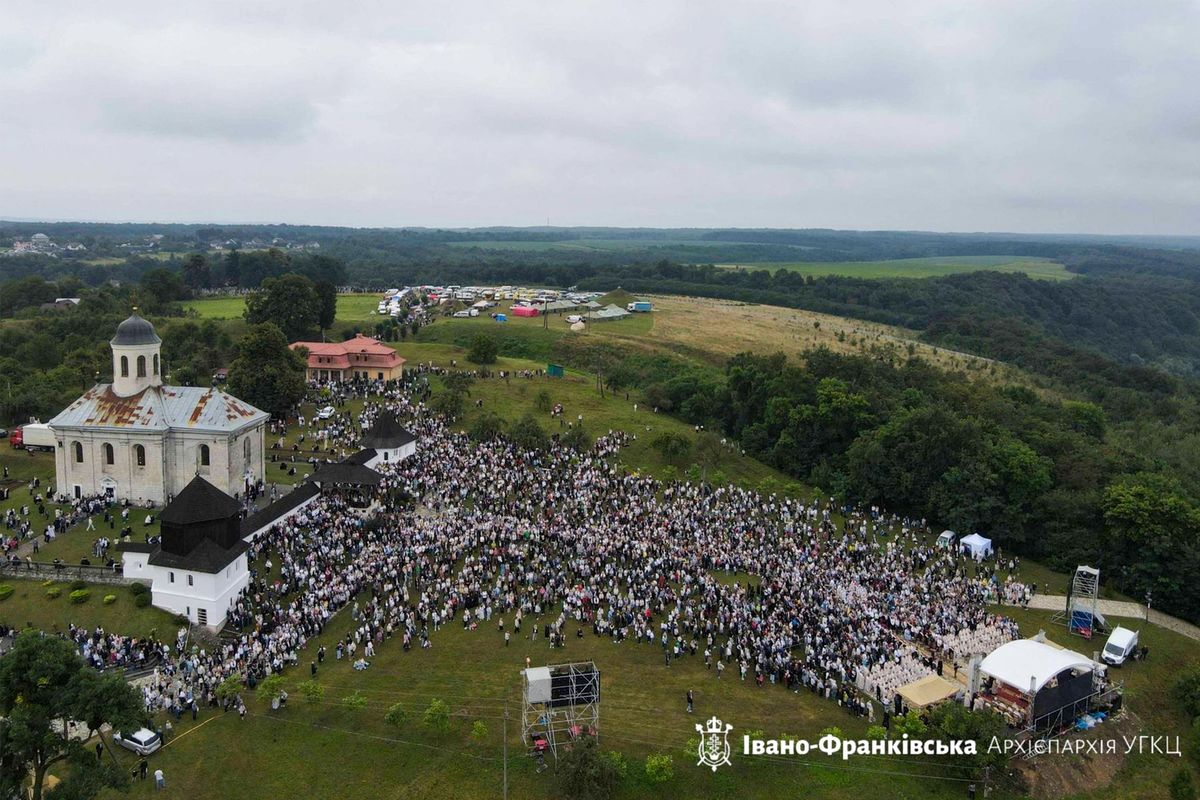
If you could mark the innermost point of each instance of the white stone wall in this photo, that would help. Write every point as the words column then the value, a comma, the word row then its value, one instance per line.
column 213, row 593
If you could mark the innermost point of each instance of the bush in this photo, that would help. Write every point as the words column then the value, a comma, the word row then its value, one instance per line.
column 180, row 620
column 138, row 588
column 80, row 596
column 619, row 763
column 479, row 731
column 6, row 591
column 54, row 592
column 660, row 768
column 584, row 772
column 313, row 692
column 483, row 350
column 141, row 600
column 355, row 701
column 269, row 688
column 109, row 599
column 437, row 716
column 1182, row 787
column 76, row 585
column 395, row 716
column 1187, row 690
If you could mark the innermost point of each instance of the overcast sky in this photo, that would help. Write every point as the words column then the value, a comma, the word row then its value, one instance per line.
column 972, row 116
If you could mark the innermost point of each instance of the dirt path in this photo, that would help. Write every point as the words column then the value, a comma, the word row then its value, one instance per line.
column 1119, row 608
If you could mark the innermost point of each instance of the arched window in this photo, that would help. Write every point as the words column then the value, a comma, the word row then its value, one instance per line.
column 246, row 451
column 156, row 363
column 204, row 455
column 109, row 456
column 124, row 366
column 78, row 453
column 141, row 366
column 139, row 454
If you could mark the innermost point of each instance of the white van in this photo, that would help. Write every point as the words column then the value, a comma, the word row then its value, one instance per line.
column 1120, row 646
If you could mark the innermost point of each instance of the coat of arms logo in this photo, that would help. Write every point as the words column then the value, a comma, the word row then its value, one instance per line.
column 714, row 743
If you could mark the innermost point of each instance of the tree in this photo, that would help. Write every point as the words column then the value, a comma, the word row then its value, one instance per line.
column 270, row 688
column 585, row 773
column 266, row 372
column 483, row 349
column 326, row 304
column 1182, row 787
column 196, row 274
column 396, row 716
column 313, row 692
column 43, row 685
column 576, row 438
column 437, row 716
column 709, row 451
column 542, row 401
column 527, row 433
column 1187, row 690
column 660, row 768
column 159, row 288
column 290, row 301
column 672, row 446
column 487, row 427
column 448, row 404
column 459, row 383
column 954, row 722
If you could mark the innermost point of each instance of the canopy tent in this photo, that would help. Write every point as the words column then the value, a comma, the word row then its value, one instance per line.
column 976, row 546
column 1028, row 665
column 946, row 538
column 928, row 691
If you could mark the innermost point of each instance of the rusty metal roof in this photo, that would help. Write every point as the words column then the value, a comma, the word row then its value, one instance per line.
column 159, row 408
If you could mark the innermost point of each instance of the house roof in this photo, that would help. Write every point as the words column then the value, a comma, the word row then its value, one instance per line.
column 361, row 350
column 344, row 474
column 386, row 434
column 280, row 508
column 159, row 408
column 199, row 501
column 208, row 556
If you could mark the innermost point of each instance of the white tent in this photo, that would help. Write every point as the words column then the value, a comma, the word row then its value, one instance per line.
column 946, row 538
column 1028, row 665
column 976, row 546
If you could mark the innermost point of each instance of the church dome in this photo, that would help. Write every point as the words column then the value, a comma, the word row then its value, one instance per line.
column 134, row 331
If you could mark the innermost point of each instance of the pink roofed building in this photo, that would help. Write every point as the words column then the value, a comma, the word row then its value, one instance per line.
column 360, row 357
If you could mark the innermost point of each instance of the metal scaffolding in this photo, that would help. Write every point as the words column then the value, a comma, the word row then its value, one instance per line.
column 1082, row 615
column 561, row 703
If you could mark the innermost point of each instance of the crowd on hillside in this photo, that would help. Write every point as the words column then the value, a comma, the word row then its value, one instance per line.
column 556, row 545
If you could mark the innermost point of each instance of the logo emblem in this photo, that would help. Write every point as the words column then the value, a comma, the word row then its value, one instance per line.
column 714, row 744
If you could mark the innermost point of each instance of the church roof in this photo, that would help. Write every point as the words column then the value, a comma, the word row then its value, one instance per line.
column 135, row 331
column 159, row 408
column 386, row 434
column 208, row 556
column 199, row 501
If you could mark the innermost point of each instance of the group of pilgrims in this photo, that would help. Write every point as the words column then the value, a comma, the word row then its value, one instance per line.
column 558, row 544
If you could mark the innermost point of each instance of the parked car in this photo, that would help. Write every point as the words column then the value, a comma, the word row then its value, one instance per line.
column 326, row 413
column 462, row 314
column 143, row 741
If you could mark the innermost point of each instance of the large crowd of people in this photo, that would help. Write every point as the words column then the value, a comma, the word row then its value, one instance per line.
column 551, row 545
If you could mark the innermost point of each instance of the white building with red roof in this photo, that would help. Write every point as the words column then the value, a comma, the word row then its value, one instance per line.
column 360, row 357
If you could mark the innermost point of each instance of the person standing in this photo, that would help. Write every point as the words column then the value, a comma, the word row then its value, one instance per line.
column 691, row 701
column 160, row 782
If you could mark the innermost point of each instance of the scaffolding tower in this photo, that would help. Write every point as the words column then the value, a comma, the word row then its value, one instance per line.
column 1082, row 615
column 561, row 703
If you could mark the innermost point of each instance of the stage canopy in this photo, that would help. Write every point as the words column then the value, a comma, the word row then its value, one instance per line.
column 1027, row 661
column 928, row 691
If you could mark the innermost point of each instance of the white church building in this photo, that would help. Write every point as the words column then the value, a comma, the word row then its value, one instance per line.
column 139, row 440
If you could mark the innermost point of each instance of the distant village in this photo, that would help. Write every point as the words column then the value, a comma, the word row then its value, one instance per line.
column 41, row 244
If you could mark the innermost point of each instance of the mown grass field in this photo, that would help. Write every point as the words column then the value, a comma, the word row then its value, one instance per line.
column 1041, row 268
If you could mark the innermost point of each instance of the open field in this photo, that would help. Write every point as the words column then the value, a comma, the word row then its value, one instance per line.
column 1041, row 268
column 351, row 307
column 30, row 607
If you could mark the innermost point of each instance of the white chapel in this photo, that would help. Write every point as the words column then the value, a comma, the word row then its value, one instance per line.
column 139, row 440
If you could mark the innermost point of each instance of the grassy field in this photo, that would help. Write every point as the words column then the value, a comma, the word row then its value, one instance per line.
column 351, row 307
column 1041, row 268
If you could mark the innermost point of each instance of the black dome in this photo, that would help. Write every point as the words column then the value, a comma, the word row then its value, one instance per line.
column 135, row 330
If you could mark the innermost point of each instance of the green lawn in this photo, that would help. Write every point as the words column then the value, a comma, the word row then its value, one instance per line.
column 1041, row 268
column 30, row 607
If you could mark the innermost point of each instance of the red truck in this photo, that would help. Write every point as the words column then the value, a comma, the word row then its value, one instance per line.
column 34, row 436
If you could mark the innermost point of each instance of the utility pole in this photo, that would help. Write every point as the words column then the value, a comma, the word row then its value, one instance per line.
column 505, row 737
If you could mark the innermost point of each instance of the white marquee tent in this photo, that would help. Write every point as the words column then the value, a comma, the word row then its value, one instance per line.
column 976, row 546
column 1028, row 665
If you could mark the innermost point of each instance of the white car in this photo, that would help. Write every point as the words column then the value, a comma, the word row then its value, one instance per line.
column 1120, row 646
column 326, row 412
column 142, row 741
column 462, row 314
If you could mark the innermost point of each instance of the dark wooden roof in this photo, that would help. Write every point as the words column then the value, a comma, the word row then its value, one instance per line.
column 386, row 434
column 279, row 509
column 200, row 501
column 344, row 474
